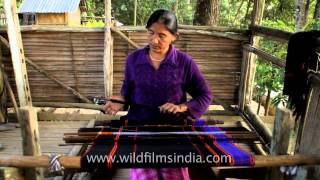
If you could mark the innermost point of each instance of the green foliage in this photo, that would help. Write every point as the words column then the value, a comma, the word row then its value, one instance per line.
column 283, row 10
column 313, row 24
column 94, row 23
column 269, row 77
column 235, row 13
column 123, row 10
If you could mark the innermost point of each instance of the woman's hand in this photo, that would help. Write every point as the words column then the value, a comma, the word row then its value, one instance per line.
column 112, row 107
column 172, row 108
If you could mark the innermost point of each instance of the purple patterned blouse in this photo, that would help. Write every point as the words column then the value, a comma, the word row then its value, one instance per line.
column 177, row 75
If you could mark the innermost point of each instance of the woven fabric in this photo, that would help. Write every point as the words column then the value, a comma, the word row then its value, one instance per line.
column 163, row 151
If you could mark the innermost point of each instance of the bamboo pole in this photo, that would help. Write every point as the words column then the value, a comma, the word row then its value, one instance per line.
column 265, row 56
column 107, row 60
column 17, row 54
column 249, row 64
column 44, row 72
column 73, row 162
column 29, row 121
column 237, row 37
column 135, row 12
column 271, row 33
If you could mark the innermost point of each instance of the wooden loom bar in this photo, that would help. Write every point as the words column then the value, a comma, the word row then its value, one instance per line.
column 73, row 162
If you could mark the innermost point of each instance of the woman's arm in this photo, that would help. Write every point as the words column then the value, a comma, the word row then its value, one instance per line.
column 199, row 90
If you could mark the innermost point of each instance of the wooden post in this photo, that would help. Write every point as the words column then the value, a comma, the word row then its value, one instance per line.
column 17, row 53
column 282, row 129
column 309, row 141
column 30, row 138
column 249, row 59
column 29, row 122
column 107, row 60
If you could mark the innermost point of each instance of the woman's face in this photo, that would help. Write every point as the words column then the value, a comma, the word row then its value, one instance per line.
column 159, row 38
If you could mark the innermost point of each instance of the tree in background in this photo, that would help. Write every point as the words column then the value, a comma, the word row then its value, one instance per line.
column 316, row 14
column 302, row 11
column 207, row 12
column 123, row 10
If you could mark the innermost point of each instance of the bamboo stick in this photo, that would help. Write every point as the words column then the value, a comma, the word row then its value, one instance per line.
column 73, row 162
column 11, row 95
column 121, row 34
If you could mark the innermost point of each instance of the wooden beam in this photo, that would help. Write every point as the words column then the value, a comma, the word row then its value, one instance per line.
column 214, row 28
column 265, row 56
column 282, row 129
column 29, row 122
column 308, row 134
column 249, row 60
column 122, row 28
column 271, row 33
column 233, row 36
column 314, row 78
column 107, row 60
column 17, row 53
column 45, row 73
column 258, row 124
column 30, row 138
column 73, row 162
column 243, row 81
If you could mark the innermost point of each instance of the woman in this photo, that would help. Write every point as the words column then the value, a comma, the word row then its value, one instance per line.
column 159, row 75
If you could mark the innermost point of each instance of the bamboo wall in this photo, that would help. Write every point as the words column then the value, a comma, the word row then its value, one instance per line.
column 77, row 59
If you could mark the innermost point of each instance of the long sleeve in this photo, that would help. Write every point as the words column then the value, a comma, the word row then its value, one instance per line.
column 126, row 88
column 198, row 88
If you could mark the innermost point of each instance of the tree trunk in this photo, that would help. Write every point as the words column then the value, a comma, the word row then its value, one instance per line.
column 207, row 12
column 317, row 10
column 267, row 105
column 302, row 10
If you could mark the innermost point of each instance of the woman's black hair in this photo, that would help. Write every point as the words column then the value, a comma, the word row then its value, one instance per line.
column 166, row 17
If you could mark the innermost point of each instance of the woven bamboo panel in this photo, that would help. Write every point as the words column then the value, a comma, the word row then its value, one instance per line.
column 76, row 58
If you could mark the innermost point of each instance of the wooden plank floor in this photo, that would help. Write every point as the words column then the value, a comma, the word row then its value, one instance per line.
column 51, row 134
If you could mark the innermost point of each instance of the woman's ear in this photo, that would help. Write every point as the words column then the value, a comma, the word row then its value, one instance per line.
column 176, row 37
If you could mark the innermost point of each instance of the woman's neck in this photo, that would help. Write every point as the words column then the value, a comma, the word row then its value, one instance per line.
column 158, row 56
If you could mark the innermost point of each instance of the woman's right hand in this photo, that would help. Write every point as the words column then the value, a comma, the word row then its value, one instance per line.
column 112, row 107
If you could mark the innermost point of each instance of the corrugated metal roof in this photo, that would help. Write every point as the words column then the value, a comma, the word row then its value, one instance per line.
column 49, row 6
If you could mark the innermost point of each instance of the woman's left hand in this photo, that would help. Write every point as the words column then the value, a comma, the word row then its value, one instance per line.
column 172, row 108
